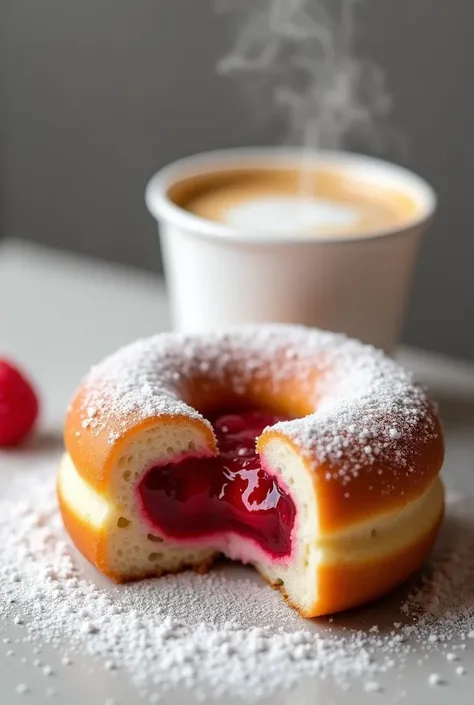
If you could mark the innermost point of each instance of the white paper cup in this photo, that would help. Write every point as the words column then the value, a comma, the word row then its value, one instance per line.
column 219, row 275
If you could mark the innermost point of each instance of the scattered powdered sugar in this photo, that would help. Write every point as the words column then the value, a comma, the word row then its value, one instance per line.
column 22, row 689
column 224, row 633
column 435, row 679
column 368, row 407
column 372, row 687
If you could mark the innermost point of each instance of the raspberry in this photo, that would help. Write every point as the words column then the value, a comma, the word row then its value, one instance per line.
column 18, row 405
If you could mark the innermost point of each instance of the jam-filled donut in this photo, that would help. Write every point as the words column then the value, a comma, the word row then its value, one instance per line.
column 337, row 502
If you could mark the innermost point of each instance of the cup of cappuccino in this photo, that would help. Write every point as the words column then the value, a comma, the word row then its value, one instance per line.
column 326, row 239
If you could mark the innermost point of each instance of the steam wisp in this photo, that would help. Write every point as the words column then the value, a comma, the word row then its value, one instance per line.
column 304, row 51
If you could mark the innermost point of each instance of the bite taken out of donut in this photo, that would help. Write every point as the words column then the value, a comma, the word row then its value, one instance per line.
column 310, row 456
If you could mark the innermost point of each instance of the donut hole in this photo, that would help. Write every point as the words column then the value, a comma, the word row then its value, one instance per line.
column 228, row 494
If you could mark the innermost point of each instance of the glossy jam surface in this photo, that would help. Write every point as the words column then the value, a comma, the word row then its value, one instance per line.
column 199, row 497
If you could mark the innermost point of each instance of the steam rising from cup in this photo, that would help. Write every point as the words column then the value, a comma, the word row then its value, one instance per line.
column 305, row 51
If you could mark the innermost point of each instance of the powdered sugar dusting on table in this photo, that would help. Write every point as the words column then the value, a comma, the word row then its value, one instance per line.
column 367, row 407
column 225, row 633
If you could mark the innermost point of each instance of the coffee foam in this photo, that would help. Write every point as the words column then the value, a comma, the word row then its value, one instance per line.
column 281, row 213
column 271, row 199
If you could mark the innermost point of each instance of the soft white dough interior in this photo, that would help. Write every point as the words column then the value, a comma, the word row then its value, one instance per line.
column 135, row 547
column 300, row 575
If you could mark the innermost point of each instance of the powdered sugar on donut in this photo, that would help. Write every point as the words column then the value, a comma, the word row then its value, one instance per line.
column 370, row 410
column 366, row 407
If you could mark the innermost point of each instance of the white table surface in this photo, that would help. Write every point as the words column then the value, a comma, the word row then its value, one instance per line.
column 61, row 313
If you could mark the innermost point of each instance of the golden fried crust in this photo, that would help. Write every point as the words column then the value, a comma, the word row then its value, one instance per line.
column 380, row 488
column 343, row 586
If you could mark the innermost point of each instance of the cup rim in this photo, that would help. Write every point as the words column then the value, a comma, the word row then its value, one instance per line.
column 162, row 207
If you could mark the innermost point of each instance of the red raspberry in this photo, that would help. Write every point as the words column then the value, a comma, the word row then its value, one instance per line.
column 18, row 405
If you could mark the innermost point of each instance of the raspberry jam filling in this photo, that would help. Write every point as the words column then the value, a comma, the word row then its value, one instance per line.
column 198, row 497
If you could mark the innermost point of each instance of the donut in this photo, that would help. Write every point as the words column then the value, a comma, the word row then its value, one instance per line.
column 306, row 454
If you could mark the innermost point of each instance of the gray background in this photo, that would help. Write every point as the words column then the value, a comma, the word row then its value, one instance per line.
column 98, row 94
